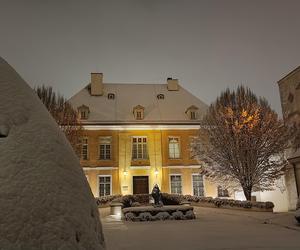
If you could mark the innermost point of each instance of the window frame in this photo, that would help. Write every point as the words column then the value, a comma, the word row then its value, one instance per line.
column 98, row 184
column 170, row 178
column 105, row 148
column 179, row 148
column 223, row 191
column 144, row 157
column 87, row 148
column 193, row 115
column 197, row 174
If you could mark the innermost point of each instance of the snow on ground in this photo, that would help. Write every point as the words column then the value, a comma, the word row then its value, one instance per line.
column 213, row 228
column 45, row 200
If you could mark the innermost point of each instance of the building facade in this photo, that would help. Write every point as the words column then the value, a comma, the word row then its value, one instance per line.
column 289, row 88
column 139, row 135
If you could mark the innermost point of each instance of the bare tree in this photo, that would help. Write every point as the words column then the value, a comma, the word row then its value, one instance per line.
column 245, row 142
column 64, row 114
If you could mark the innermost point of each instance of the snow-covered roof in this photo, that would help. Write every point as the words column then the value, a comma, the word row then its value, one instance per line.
column 169, row 110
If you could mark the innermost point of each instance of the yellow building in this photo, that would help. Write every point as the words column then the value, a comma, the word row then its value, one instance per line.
column 138, row 135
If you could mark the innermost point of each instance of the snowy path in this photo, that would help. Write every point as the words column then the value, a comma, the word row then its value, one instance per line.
column 213, row 229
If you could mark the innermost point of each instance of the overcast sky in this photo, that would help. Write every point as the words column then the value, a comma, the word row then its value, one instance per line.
column 209, row 45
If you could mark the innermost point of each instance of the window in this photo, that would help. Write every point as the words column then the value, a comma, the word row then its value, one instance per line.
column 139, row 148
column 105, row 147
column 138, row 112
column 174, row 148
column 175, row 184
column 84, row 149
column 83, row 112
column 160, row 96
column 198, row 187
column 222, row 192
column 104, row 185
column 192, row 112
column 291, row 97
column 193, row 115
column 110, row 96
column 194, row 146
column 139, row 115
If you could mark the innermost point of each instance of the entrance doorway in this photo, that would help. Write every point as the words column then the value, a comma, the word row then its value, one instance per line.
column 140, row 185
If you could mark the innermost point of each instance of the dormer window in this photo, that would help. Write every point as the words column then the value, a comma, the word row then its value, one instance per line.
column 138, row 112
column 83, row 112
column 111, row 96
column 160, row 96
column 192, row 112
column 193, row 115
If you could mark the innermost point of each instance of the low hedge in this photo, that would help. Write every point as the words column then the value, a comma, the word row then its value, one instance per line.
column 176, row 199
column 106, row 200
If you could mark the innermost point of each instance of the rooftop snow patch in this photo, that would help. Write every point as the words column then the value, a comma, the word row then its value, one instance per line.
column 45, row 200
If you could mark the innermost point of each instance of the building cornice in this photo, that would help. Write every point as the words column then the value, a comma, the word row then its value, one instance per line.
column 142, row 127
column 289, row 74
column 99, row 168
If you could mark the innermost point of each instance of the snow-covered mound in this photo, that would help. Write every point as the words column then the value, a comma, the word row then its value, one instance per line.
column 45, row 200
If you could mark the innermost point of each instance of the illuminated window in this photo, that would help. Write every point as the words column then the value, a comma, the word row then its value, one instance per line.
column 175, row 183
column 84, row 148
column 104, row 185
column 198, row 187
column 174, row 148
column 105, row 147
column 222, row 192
column 139, row 148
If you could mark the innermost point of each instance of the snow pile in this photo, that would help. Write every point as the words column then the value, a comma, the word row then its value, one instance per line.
column 45, row 200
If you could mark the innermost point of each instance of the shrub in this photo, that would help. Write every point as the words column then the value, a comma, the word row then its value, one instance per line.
column 162, row 216
column 178, row 215
column 129, row 216
column 189, row 215
column 146, row 216
column 103, row 200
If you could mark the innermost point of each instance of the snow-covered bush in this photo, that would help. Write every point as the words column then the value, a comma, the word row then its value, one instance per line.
column 129, row 216
column 146, row 216
column 177, row 199
column 129, row 200
column 189, row 215
column 162, row 216
column 103, row 200
column 135, row 204
column 178, row 215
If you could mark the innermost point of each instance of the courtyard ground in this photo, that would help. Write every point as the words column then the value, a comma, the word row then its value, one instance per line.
column 213, row 229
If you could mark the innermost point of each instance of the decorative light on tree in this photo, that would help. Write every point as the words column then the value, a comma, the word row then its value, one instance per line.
column 245, row 144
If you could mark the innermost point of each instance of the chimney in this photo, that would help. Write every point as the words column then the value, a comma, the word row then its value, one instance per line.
column 172, row 84
column 96, row 84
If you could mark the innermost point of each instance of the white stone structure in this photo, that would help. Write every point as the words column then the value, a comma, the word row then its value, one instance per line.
column 45, row 199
